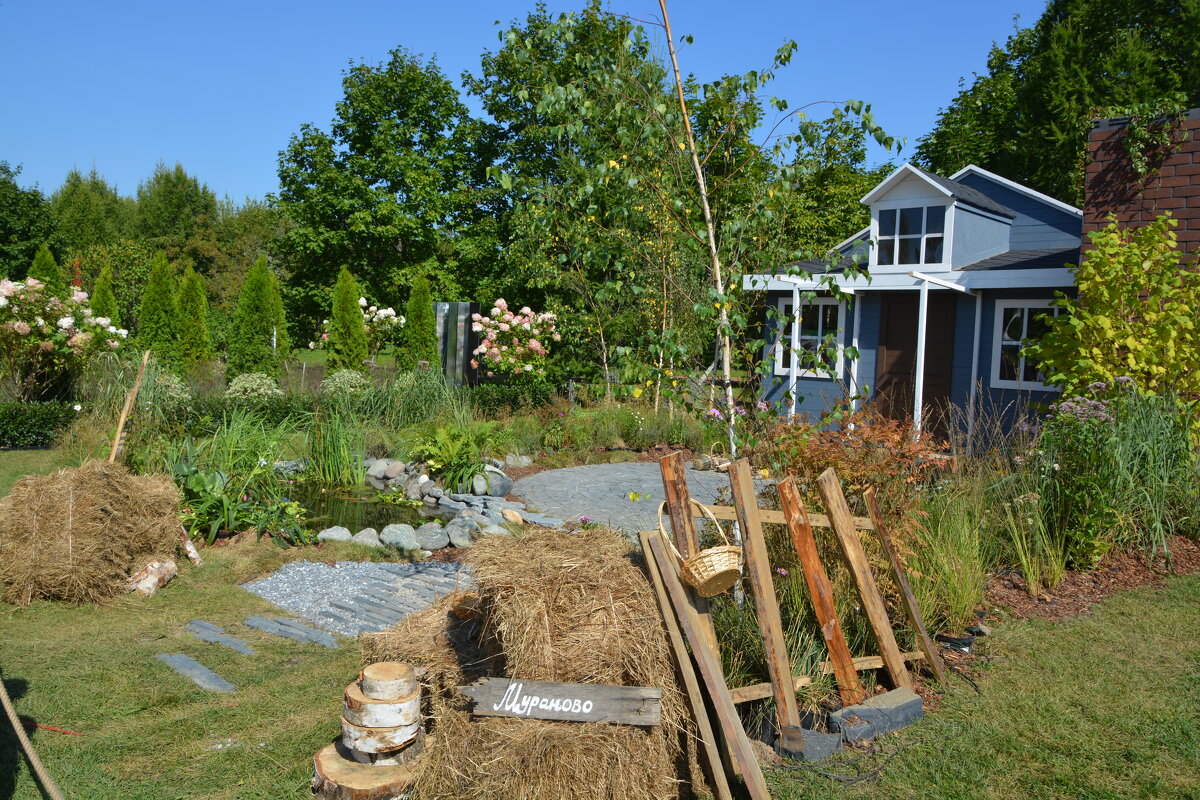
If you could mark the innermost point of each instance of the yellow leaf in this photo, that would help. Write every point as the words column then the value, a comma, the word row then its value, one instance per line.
column 637, row 392
column 613, row 164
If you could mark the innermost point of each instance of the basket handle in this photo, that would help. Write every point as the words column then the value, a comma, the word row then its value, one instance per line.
column 704, row 509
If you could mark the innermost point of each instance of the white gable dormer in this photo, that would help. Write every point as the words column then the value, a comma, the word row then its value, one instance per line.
column 923, row 222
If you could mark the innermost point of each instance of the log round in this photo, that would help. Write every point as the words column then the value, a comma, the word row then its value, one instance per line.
column 336, row 776
column 391, row 758
column 370, row 713
column 388, row 680
column 377, row 740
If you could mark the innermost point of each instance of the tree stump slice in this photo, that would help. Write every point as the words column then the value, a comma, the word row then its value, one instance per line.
column 388, row 680
column 405, row 755
column 377, row 740
column 337, row 776
column 368, row 712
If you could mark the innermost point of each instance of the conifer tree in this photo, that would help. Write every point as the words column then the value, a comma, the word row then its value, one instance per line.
column 158, row 314
column 418, row 337
column 103, row 302
column 46, row 270
column 195, row 345
column 347, row 332
column 259, row 339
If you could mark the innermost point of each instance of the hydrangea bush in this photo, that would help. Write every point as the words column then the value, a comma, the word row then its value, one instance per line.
column 253, row 386
column 513, row 343
column 383, row 328
column 45, row 341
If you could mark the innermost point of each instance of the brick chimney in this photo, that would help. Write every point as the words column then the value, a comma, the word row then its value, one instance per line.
column 1173, row 184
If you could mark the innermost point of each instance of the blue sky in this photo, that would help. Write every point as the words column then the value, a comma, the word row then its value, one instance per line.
column 220, row 86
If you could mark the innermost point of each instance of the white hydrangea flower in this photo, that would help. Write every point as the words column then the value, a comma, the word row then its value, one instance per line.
column 66, row 322
column 101, row 321
column 3, row 301
column 122, row 332
column 362, row 302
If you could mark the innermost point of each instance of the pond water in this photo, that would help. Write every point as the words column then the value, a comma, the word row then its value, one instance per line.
column 356, row 509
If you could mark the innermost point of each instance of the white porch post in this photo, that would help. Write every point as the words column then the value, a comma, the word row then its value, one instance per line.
column 857, row 312
column 919, row 377
column 794, row 368
column 974, row 373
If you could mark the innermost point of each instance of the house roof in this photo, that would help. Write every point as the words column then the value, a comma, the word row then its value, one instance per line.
column 959, row 191
column 972, row 169
column 1026, row 259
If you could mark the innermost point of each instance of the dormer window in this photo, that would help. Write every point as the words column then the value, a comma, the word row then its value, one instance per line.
column 912, row 235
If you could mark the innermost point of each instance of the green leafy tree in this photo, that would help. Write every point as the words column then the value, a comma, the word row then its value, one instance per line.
column 102, row 300
column 128, row 263
column 88, row 212
column 347, row 333
column 195, row 345
column 418, row 338
column 1134, row 315
column 46, row 270
column 176, row 213
column 158, row 313
column 259, row 342
column 25, row 223
column 1027, row 118
column 379, row 191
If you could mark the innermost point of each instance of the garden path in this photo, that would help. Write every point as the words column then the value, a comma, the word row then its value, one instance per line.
column 601, row 492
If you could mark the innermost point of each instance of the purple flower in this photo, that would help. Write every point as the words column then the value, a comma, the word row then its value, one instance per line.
column 781, row 571
column 1098, row 386
column 1124, row 380
column 585, row 520
column 714, row 413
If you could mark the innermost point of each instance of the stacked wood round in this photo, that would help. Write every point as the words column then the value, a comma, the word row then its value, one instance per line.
column 382, row 735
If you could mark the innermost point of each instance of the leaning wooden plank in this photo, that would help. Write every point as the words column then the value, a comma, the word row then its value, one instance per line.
column 758, row 568
column 196, row 672
column 770, row 517
column 708, row 739
column 710, row 671
column 906, row 596
column 821, row 591
column 760, row 691
column 868, row 591
column 683, row 529
column 130, row 398
column 565, row 702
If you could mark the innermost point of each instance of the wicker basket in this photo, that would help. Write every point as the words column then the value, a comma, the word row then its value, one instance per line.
column 710, row 571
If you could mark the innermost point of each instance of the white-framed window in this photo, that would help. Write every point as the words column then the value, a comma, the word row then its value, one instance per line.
column 819, row 319
column 1018, row 321
column 915, row 235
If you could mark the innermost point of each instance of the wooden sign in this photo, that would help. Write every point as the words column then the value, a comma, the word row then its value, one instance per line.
column 565, row 702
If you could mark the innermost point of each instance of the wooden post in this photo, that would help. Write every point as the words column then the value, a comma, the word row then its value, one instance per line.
column 710, row 670
column 821, row 590
column 910, row 603
column 758, row 568
column 708, row 738
column 683, row 529
column 130, row 397
column 868, row 591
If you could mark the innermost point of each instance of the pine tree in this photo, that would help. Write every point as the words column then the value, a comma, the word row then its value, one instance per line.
column 103, row 302
column 46, row 270
column 259, row 338
column 418, row 337
column 347, row 333
column 158, row 314
column 195, row 345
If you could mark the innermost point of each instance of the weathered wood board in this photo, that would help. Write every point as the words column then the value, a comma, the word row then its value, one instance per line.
column 683, row 528
column 565, row 702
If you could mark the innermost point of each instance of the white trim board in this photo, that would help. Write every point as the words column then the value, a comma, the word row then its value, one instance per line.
column 998, row 308
column 886, row 184
column 787, row 319
column 1053, row 278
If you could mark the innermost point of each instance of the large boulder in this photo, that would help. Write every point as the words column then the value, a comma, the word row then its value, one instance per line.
column 335, row 534
column 459, row 536
column 378, row 470
column 400, row 536
column 395, row 469
column 491, row 482
column 368, row 537
column 432, row 536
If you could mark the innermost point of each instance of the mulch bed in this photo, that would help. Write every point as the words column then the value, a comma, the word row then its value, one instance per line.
column 1079, row 591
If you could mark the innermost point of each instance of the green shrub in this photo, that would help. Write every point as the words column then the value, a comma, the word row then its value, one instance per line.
column 34, row 424
column 418, row 338
column 253, row 386
column 347, row 331
column 195, row 345
column 346, row 383
column 497, row 398
column 103, row 302
column 456, row 453
column 46, row 270
column 158, row 314
column 259, row 340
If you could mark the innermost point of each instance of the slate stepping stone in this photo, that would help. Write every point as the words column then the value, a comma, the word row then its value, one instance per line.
column 207, row 632
column 291, row 630
column 199, row 674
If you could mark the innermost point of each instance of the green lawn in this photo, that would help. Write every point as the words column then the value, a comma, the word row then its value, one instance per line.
column 16, row 464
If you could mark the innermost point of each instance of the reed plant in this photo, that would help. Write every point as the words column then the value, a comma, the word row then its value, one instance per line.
column 334, row 447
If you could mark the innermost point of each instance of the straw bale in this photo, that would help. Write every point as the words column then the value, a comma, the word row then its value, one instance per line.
column 556, row 607
column 77, row 534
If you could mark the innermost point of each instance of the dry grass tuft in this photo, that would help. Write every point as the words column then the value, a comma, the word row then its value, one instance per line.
column 554, row 606
column 77, row 534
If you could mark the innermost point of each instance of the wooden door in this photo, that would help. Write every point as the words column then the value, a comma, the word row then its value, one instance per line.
column 897, row 360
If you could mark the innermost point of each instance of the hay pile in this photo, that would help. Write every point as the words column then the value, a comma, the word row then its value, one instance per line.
column 77, row 534
column 555, row 607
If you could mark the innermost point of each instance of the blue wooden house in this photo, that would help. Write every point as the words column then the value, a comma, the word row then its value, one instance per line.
column 949, row 278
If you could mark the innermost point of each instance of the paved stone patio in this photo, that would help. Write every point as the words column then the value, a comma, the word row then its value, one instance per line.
column 601, row 492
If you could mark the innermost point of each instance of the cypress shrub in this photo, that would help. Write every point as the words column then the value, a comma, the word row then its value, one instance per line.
column 347, row 332
column 418, row 338
column 258, row 318
column 46, row 270
column 158, row 313
column 195, row 345
column 103, row 302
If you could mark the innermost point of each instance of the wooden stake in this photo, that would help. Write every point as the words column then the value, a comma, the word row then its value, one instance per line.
column 760, row 691
column 130, row 397
column 683, row 529
column 932, row 658
column 758, row 569
column 868, row 591
column 710, row 670
column 821, row 590
column 708, row 738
